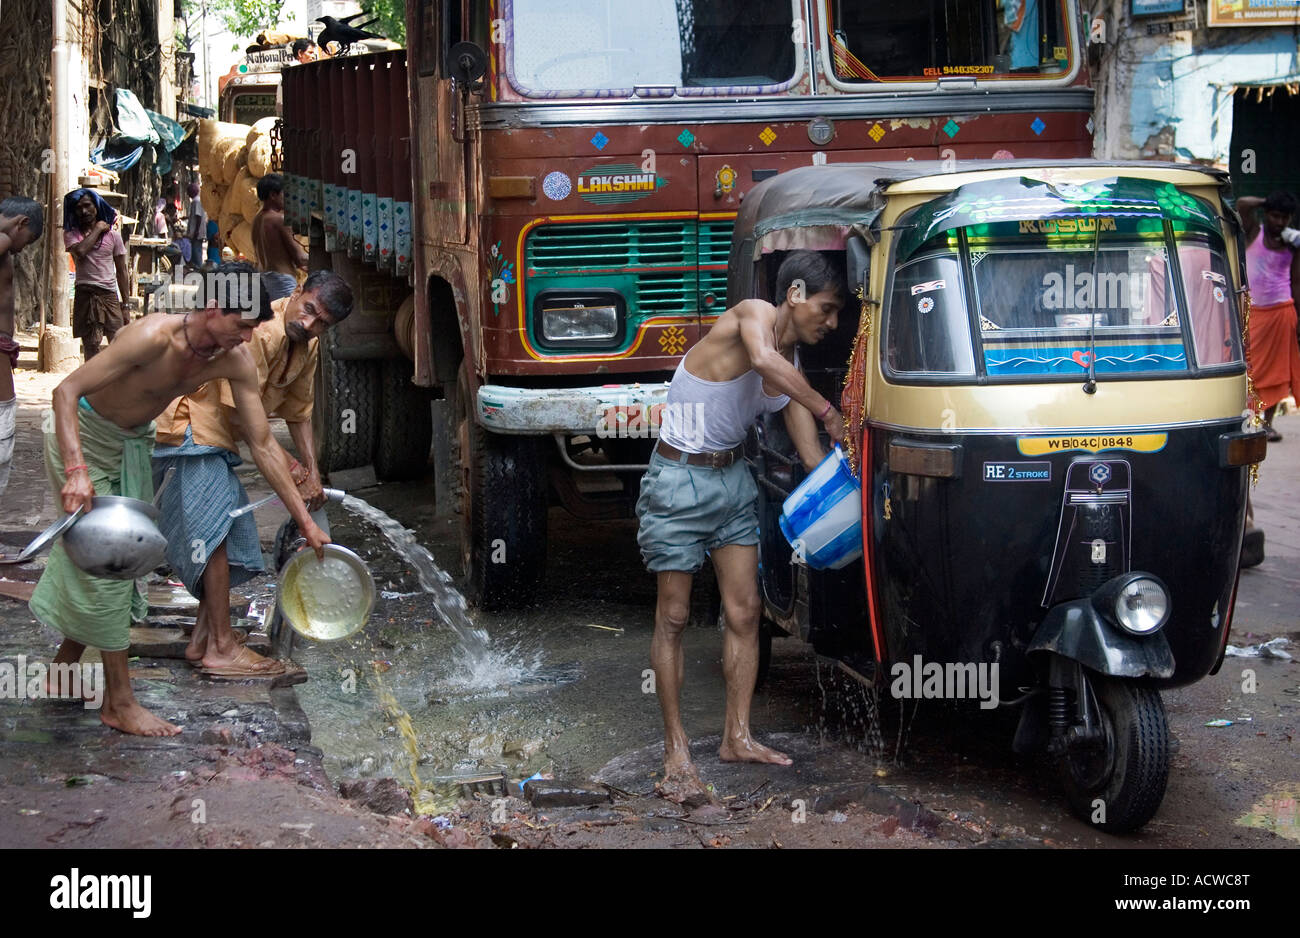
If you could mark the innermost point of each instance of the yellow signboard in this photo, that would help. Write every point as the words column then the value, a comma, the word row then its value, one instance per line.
column 1092, row 443
column 1254, row 12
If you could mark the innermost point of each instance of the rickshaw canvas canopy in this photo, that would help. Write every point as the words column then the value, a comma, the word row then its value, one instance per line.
column 815, row 207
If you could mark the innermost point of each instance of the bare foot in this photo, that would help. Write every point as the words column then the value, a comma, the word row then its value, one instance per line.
column 682, row 785
column 746, row 749
column 137, row 721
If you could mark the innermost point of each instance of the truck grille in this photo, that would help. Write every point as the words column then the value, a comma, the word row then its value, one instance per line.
column 714, row 248
column 661, row 259
column 572, row 248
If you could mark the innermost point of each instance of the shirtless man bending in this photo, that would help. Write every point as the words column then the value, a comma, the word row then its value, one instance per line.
column 278, row 254
column 100, row 443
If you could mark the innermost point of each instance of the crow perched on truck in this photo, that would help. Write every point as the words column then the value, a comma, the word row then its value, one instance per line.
column 343, row 32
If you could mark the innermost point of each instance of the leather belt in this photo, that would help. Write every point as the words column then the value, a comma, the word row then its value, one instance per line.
column 711, row 460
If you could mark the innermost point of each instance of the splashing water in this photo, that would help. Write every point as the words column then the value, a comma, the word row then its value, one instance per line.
column 426, row 707
column 480, row 665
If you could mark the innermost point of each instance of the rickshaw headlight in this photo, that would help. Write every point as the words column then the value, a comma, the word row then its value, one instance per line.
column 1142, row 606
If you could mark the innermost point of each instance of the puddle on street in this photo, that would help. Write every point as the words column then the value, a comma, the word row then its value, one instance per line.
column 424, row 691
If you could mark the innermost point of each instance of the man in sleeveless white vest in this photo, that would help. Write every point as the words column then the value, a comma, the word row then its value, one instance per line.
column 698, row 495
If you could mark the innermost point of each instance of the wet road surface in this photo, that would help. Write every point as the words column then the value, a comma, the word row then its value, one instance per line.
column 563, row 693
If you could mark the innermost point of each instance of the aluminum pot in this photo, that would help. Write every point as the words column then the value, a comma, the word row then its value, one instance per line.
column 118, row 539
column 325, row 600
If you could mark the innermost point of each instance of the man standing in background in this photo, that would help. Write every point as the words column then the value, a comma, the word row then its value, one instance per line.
column 21, row 223
column 279, row 256
column 197, row 225
column 1274, row 270
column 99, row 254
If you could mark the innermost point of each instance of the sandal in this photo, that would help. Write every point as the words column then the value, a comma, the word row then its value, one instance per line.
column 247, row 664
column 241, row 638
column 1273, row 435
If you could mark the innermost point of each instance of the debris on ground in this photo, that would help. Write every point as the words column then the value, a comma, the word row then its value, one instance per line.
column 1270, row 649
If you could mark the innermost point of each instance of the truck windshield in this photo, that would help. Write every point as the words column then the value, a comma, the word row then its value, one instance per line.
column 250, row 108
column 928, row 39
column 607, row 45
column 1033, row 294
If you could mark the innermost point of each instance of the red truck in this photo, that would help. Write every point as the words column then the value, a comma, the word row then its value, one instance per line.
column 534, row 203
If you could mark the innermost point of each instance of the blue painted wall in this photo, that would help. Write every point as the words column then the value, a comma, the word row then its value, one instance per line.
column 1186, row 83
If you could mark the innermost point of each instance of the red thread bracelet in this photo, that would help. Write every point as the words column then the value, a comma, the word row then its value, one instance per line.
column 826, row 413
column 69, row 470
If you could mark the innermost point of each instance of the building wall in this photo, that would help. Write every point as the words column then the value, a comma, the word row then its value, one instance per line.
column 1169, row 96
column 113, row 42
column 25, row 135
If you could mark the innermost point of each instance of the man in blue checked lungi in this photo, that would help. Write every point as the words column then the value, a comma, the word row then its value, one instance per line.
column 698, row 496
column 198, row 439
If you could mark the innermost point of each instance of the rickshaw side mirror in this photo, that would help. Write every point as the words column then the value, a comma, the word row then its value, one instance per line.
column 858, row 261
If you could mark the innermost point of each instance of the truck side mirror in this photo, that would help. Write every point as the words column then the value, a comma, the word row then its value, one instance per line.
column 857, row 258
column 466, row 62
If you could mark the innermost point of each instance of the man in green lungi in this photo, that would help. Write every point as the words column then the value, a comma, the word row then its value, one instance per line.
column 101, row 443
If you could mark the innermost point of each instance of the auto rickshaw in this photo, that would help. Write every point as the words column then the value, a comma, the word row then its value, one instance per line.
column 1043, row 377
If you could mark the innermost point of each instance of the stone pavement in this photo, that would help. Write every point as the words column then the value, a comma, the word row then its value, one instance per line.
column 241, row 774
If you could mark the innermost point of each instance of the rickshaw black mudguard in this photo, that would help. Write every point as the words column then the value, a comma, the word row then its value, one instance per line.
column 962, row 564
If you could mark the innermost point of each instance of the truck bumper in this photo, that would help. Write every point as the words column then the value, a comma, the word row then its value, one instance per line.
column 604, row 410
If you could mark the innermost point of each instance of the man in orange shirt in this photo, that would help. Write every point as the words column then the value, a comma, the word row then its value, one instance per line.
column 197, row 437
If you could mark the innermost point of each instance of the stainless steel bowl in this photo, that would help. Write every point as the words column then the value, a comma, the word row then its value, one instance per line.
column 325, row 600
column 118, row 539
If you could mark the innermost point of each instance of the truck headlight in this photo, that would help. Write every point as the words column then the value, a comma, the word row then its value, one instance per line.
column 591, row 319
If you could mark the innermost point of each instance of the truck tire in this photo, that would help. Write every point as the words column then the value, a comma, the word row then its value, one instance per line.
column 405, row 424
column 345, row 416
column 502, row 501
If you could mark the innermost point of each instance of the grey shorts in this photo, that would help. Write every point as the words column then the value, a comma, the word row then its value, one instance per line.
column 685, row 510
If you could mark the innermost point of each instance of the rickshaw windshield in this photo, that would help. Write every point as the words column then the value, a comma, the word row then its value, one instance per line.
column 1006, row 299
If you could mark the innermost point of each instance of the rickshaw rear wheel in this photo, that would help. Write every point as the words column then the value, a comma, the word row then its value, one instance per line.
column 1117, row 785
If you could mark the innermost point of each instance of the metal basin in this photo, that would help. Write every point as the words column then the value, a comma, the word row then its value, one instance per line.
column 325, row 600
column 118, row 539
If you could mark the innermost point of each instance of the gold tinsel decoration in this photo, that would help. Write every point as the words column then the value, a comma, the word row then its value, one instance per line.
column 1255, row 405
column 853, row 395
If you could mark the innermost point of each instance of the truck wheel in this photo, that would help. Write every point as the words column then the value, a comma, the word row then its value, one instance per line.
column 502, row 502
column 1117, row 783
column 345, row 414
column 405, row 424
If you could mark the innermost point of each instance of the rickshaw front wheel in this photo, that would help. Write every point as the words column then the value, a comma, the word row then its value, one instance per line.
column 1116, row 782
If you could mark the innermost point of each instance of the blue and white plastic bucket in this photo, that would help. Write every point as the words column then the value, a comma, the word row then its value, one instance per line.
column 822, row 518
